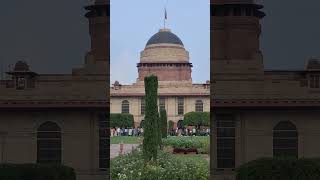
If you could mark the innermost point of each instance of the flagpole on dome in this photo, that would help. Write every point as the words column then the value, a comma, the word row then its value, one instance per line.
column 165, row 14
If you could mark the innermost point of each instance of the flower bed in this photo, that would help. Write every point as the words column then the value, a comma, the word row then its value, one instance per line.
column 168, row 166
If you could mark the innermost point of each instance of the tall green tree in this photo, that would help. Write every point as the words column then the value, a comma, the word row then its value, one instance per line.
column 164, row 124
column 151, row 134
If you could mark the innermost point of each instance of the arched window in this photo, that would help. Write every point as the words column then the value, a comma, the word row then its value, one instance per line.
column 285, row 139
column 199, row 106
column 49, row 143
column 125, row 108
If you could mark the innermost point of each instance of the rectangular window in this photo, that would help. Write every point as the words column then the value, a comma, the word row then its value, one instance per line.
column 225, row 141
column 143, row 105
column 314, row 81
column 104, row 150
column 162, row 103
column 180, row 106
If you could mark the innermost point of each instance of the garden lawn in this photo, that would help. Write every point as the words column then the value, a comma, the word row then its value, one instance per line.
column 126, row 139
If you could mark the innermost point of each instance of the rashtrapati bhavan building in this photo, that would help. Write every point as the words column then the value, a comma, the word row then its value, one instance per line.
column 61, row 118
column 255, row 112
column 166, row 57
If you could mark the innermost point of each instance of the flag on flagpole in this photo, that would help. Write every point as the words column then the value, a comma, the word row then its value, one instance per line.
column 165, row 13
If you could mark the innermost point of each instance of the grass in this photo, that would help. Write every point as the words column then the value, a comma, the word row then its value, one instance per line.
column 126, row 139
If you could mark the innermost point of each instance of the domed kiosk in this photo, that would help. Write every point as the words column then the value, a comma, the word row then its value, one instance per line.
column 165, row 57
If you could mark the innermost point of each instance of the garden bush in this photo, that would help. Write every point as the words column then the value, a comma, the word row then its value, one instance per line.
column 280, row 169
column 167, row 166
column 201, row 143
column 36, row 172
column 121, row 120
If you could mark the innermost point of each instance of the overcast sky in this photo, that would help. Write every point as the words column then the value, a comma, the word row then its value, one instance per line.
column 131, row 30
column 53, row 35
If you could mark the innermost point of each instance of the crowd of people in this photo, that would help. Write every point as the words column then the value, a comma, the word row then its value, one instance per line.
column 189, row 132
column 173, row 132
column 126, row 131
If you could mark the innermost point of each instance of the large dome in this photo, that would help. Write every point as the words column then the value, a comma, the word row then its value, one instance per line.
column 164, row 36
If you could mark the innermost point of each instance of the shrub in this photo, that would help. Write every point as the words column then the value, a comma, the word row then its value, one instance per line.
column 280, row 169
column 121, row 120
column 163, row 121
column 167, row 166
column 36, row 172
column 201, row 143
column 152, row 136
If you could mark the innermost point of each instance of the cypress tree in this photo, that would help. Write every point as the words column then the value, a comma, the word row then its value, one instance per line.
column 150, row 140
column 163, row 121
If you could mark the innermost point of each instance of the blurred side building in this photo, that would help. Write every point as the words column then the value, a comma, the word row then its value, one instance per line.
column 61, row 118
column 256, row 112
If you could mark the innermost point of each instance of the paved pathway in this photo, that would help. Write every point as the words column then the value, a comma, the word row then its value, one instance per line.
column 115, row 149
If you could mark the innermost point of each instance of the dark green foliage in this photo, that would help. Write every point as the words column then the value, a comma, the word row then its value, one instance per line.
column 197, row 119
column 163, row 120
column 121, row 120
column 170, row 125
column 280, row 169
column 151, row 127
column 36, row 172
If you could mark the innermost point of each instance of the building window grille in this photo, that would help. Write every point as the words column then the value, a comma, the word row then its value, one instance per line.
column 49, row 143
column 314, row 81
column 104, row 135
column 237, row 11
column 285, row 140
column 162, row 103
column 143, row 105
column 125, row 107
column 180, row 105
column 248, row 12
column 21, row 83
column 226, row 131
column 199, row 106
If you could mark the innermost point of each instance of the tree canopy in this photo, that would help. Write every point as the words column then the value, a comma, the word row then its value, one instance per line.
column 197, row 119
column 121, row 120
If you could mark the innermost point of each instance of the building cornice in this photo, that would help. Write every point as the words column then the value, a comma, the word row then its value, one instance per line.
column 160, row 94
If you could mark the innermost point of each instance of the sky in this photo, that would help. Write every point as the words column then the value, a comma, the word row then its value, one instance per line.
column 134, row 22
column 52, row 36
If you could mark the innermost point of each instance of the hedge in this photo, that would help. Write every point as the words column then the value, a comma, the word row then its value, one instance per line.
column 280, row 169
column 36, row 172
column 121, row 120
